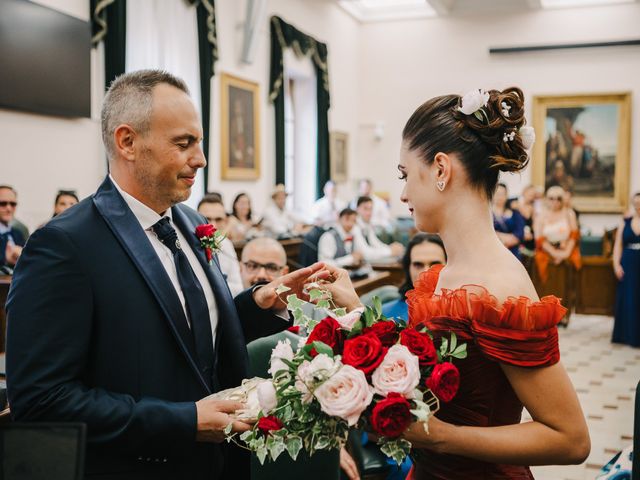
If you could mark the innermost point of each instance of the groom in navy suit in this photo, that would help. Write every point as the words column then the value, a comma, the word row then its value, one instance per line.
column 117, row 320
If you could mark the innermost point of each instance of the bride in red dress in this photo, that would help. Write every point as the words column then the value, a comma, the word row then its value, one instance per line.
column 452, row 153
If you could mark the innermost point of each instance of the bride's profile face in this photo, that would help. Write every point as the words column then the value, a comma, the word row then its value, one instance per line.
column 420, row 193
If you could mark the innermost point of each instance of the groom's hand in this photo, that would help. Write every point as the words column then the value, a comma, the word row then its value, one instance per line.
column 266, row 296
column 213, row 418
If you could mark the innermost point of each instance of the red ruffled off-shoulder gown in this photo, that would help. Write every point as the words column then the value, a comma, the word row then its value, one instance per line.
column 517, row 332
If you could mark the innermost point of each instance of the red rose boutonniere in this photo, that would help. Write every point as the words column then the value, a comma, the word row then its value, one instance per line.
column 210, row 239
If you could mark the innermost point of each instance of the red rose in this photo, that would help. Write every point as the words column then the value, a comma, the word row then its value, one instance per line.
column 205, row 230
column 328, row 332
column 269, row 424
column 444, row 381
column 391, row 416
column 294, row 329
column 385, row 331
column 421, row 345
column 364, row 352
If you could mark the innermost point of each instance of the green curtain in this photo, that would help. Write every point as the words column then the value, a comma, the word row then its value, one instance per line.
column 109, row 24
column 284, row 35
column 208, row 53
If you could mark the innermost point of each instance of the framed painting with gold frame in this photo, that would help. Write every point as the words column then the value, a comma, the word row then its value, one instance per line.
column 584, row 145
column 339, row 142
column 240, row 125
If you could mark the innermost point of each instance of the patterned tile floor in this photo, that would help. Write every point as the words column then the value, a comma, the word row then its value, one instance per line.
column 605, row 377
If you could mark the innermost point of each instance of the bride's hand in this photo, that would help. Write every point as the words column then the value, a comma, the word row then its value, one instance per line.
column 339, row 285
column 434, row 440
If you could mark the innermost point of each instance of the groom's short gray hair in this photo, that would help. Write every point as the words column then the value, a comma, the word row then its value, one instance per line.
column 130, row 100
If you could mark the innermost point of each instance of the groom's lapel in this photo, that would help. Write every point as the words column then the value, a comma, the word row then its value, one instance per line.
column 133, row 239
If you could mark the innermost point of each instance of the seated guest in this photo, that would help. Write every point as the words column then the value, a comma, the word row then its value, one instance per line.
column 375, row 248
column 381, row 214
column 525, row 205
column 509, row 224
column 326, row 209
column 343, row 244
column 212, row 209
column 423, row 251
column 277, row 220
column 11, row 239
column 557, row 254
column 263, row 259
column 64, row 200
column 240, row 226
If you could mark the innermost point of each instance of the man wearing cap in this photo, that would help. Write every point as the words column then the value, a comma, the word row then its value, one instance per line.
column 277, row 219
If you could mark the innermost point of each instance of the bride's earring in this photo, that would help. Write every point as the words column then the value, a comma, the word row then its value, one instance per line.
column 440, row 185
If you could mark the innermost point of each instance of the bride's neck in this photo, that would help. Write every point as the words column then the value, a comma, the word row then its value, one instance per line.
column 467, row 232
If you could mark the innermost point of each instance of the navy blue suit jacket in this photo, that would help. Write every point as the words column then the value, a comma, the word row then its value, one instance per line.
column 97, row 334
column 18, row 239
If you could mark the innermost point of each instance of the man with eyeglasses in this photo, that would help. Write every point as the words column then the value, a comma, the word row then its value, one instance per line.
column 263, row 260
column 11, row 239
column 212, row 209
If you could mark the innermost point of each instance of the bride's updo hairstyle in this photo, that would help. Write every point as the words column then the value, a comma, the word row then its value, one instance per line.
column 487, row 142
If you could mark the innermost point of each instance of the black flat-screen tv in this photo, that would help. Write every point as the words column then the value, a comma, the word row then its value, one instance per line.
column 45, row 60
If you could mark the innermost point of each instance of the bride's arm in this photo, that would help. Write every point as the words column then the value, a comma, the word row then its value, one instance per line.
column 557, row 434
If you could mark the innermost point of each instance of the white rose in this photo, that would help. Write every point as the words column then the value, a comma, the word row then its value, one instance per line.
column 348, row 321
column 267, row 396
column 346, row 394
column 282, row 350
column 528, row 137
column 311, row 373
column 472, row 101
column 399, row 372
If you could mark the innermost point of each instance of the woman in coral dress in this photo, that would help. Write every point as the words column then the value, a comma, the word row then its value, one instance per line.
column 452, row 152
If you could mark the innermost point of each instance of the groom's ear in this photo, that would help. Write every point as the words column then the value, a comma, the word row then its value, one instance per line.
column 124, row 138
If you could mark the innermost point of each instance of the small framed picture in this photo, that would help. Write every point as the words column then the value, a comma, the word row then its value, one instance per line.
column 339, row 156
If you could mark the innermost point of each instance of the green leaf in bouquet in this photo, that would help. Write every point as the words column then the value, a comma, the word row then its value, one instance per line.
column 422, row 410
column 340, row 312
column 315, row 294
column 397, row 449
column 377, row 305
column 323, row 304
column 293, row 445
column 228, row 428
column 322, row 443
column 460, row 352
column 322, row 347
column 368, row 315
column 444, row 347
column 261, row 453
column 294, row 302
column 246, row 436
column 281, row 289
column 356, row 329
column 454, row 342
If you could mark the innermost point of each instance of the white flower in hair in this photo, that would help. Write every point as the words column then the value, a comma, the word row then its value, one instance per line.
column 528, row 137
column 473, row 101
column 508, row 137
column 505, row 109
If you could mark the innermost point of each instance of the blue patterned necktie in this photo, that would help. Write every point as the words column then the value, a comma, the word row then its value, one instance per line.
column 196, row 302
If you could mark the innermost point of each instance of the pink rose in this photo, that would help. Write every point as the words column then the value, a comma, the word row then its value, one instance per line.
column 399, row 372
column 348, row 321
column 346, row 394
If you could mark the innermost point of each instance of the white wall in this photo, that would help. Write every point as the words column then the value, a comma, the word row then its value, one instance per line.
column 404, row 63
column 41, row 154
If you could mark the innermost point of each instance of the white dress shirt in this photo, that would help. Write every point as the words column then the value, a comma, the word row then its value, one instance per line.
column 327, row 247
column 325, row 211
column 381, row 213
column 230, row 266
column 374, row 249
column 147, row 218
column 278, row 222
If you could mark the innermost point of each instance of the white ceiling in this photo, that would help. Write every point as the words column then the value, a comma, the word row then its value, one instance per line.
column 386, row 10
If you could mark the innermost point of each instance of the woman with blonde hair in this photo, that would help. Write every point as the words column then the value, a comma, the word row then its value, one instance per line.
column 557, row 256
column 453, row 149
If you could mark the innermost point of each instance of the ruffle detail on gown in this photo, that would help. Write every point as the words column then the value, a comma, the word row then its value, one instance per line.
column 518, row 331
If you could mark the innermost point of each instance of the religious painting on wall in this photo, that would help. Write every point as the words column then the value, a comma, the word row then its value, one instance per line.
column 339, row 158
column 583, row 145
column 240, row 124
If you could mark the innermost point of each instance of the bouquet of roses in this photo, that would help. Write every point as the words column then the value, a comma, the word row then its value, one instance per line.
column 354, row 370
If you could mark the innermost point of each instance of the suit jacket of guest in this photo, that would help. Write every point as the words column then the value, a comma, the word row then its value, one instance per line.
column 18, row 239
column 97, row 334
